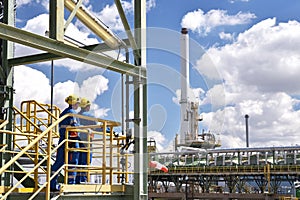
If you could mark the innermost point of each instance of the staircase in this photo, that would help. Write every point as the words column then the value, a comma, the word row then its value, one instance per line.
column 32, row 151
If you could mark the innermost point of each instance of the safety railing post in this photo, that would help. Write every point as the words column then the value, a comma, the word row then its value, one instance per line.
column 48, row 171
column 111, row 155
column 126, row 169
column 88, row 156
column 104, row 154
column 36, row 160
column 66, row 156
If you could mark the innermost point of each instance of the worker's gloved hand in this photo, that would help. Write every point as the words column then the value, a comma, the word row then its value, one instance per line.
column 90, row 132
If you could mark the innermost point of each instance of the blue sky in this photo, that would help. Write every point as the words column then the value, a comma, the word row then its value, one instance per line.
column 243, row 60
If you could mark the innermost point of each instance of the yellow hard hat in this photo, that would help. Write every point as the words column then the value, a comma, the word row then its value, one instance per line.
column 84, row 103
column 72, row 99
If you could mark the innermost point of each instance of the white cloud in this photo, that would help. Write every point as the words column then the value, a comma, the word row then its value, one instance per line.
column 100, row 112
column 37, row 87
column 94, row 86
column 38, row 25
column 260, row 71
column 226, row 36
column 271, row 123
column 215, row 96
column 109, row 16
column 45, row 4
column 265, row 56
column 203, row 23
column 23, row 2
column 159, row 139
column 150, row 4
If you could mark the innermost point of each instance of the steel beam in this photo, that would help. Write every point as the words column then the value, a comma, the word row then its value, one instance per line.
column 42, row 57
column 59, row 48
column 127, row 30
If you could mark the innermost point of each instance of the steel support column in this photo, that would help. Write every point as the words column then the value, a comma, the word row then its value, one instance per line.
column 56, row 19
column 6, row 84
column 140, row 105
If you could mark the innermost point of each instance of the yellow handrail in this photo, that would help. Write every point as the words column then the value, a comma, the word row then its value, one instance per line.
column 3, row 123
column 29, row 146
column 107, row 148
column 43, row 134
column 3, row 146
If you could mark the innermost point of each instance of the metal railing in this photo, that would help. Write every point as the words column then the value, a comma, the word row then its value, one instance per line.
column 238, row 169
column 24, row 152
column 109, row 162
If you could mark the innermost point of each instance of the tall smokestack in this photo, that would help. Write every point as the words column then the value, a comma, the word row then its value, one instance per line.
column 184, row 115
column 247, row 130
column 185, row 57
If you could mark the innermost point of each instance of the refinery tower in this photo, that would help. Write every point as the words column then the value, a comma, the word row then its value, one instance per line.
column 189, row 136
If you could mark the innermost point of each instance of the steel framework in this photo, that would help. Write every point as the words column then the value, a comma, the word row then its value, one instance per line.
column 57, row 48
column 237, row 173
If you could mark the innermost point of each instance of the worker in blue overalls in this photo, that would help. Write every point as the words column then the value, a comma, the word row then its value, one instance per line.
column 85, row 106
column 73, row 102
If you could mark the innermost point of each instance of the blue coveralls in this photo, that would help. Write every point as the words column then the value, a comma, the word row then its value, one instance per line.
column 60, row 156
column 82, row 176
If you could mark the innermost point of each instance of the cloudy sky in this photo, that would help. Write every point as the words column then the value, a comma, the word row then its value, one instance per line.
column 243, row 60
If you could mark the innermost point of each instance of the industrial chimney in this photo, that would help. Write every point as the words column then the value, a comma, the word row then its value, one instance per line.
column 247, row 130
column 184, row 101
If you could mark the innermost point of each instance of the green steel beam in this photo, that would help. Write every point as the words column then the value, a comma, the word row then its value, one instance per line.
column 42, row 57
column 127, row 30
column 56, row 20
column 59, row 48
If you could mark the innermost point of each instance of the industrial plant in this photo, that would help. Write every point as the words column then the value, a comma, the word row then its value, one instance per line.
column 123, row 165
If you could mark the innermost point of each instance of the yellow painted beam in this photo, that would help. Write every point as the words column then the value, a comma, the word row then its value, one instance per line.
column 92, row 188
column 4, row 189
column 94, row 25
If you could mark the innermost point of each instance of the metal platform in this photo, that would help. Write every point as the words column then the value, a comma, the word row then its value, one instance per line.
column 225, row 196
column 244, row 173
column 73, row 196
